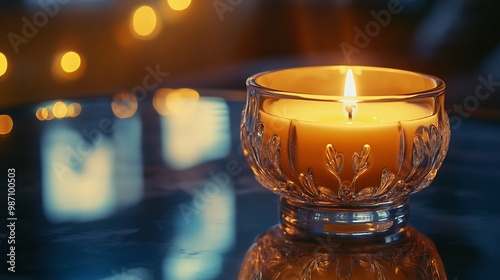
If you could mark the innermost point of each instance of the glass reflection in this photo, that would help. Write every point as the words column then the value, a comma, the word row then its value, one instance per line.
column 206, row 232
column 276, row 256
column 194, row 130
column 88, row 174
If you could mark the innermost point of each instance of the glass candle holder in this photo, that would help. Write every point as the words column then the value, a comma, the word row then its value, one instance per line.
column 344, row 147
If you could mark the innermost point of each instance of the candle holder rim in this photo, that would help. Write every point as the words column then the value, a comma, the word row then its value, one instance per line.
column 435, row 91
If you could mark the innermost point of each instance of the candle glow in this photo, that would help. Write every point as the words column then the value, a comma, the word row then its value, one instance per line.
column 338, row 178
column 313, row 125
column 350, row 107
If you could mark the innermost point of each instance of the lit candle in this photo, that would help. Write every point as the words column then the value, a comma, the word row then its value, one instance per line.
column 349, row 143
column 349, row 91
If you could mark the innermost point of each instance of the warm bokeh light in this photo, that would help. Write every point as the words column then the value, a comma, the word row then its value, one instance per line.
column 70, row 62
column 124, row 105
column 159, row 101
column 181, row 101
column 179, row 5
column 59, row 109
column 6, row 124
column 44, row 113
column 74, row 109
column 144, row 22
column 39, row 114
column 3, row 64
column 50, row 115
column 68, row 66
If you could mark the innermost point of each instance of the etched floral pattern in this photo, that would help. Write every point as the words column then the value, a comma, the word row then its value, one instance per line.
column 275, row 257
column 429, row 147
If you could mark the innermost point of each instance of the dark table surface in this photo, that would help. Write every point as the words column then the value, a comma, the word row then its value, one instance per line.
column 171, row 196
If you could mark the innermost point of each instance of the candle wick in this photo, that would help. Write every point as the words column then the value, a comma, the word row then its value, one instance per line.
column 349, row 109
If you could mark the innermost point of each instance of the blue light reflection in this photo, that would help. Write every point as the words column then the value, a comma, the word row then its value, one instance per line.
column 88, row 174
column 204, row 235
column 196, row 134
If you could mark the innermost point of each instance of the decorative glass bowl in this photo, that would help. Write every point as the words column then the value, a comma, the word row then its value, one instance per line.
column 343, row 164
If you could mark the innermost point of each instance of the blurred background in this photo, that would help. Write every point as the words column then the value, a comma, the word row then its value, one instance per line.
column 146, row 98
column 53, row 49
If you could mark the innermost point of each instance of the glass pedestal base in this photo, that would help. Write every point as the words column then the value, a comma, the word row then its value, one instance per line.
column 356, row 224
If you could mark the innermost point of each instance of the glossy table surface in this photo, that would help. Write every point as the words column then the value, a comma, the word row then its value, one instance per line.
column 167, row 194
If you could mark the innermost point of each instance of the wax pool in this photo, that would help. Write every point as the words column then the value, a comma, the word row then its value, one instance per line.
column 388, row 128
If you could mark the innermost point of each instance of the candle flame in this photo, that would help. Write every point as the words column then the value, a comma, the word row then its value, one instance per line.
column 350, row 87
column 350, row 107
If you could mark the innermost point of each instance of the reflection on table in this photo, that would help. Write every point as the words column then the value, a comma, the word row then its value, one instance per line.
column 275, row 256
column 136, row 190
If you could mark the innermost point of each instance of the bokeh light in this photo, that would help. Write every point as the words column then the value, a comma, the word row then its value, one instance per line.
column 3, row 64
column 74, row 109
column 39, row 114
column 44, row 113
column 159, row 101
column 124, row 105
column 59, row 109
column 68, row 65
column 70, row 62
column 181, row 101
column 144, row 22
column 50, row 115
column 6, row 124
column 179, row 5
